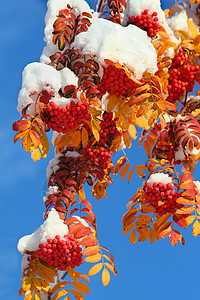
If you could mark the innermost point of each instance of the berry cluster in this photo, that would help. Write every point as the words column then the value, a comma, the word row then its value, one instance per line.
column 115, row 82
column 161, row 196
column 66, row 119
column 61, row 253
column 182, row 77
column 98, row 155
column 108, row 129
column 147, row 22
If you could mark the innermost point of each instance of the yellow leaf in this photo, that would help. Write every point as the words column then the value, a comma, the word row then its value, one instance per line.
column 132, row 131
column 66, row 298
column 124, row 170
column 37, row 295
column 81, row 194
column 77, row 295
column 26, row 285
column 37, row 283
column 122, row 123
column 130, row 174
column 80, row 275
column 141, row 89
column 76, row 138
column 44, row 145
column 196, row 228
column 192, row 28
column 95, row 269
column 127, row 139
column 35, row 155
column 80, row 286
column 133, row 237
column 84, row 137
column 190, row 219
column 28, row 295
column 60, row 294
column 93, row 258
column 111, row 267
column 27, row 143
column 46, row 276
column 59, row 286
column 105, row 277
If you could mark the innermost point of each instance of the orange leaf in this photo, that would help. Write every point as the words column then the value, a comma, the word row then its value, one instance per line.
column 35, row 155
column 76, row 138
column 95, row 269
column 133, row 237
column 59, row 286
column 120, row 163
column 185, row 210
column 93, row 258
column 105, row 277
column 124, row 170
column 80, row 286
column 91, row 250
column 196, row 228
column 84, row 137
column 81, row 194
column 140, row 98
column 127, row 139
column 165, row 233
column 112, row 102
column 147, row 209
column 140, row 173
column 60, row 294
column 130, row 174
column 152, row 235
column 28, row 295
column 77, row 295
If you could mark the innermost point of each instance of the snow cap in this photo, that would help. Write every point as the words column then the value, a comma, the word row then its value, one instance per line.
column 128, row 46
column 49, row 229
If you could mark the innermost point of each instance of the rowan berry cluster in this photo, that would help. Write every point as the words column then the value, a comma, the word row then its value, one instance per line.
column 61, row 252
column 66, row 119
column 161, row 196
column 108, row 129
column 182, row 77
column 115, row 82
column 147, row 22
column 98, row 155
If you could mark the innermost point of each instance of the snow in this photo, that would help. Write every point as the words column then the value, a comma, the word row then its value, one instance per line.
column 179, row 20
column 68, row 78
column 49, row 229
column 179, row 154
column 51, row 190
column 25, row 262
column 128, row 46
column 53, row 165
column 36, row 77
column 159, row 177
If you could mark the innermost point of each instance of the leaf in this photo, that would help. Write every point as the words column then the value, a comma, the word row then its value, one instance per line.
column 26, row 285
column 140, row 98
column 35, row 155
column 185, row 210
column 59, row 286
column 91, row 250
column 37, row 295
column 81, row 194
column 132, row 131
column 93, row 258
column 192, row 28
column 80, row 286
column 120, row 164
column 76, row 138
column 112, row 102
column 84, row 137
column 127, row 139
column 152, row 235
column 196, row 228
column 77, row 294
column 140, row 173
column 147, row 209
column 95, row 269
column 130, row 174
column 124, row 170
column 28, row 295
column 111, row 267
column 133, row 237
column 60, row 294
column 165, row 233
column 105, row 277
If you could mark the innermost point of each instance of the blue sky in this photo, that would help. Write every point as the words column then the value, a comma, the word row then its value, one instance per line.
column 145, row 272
